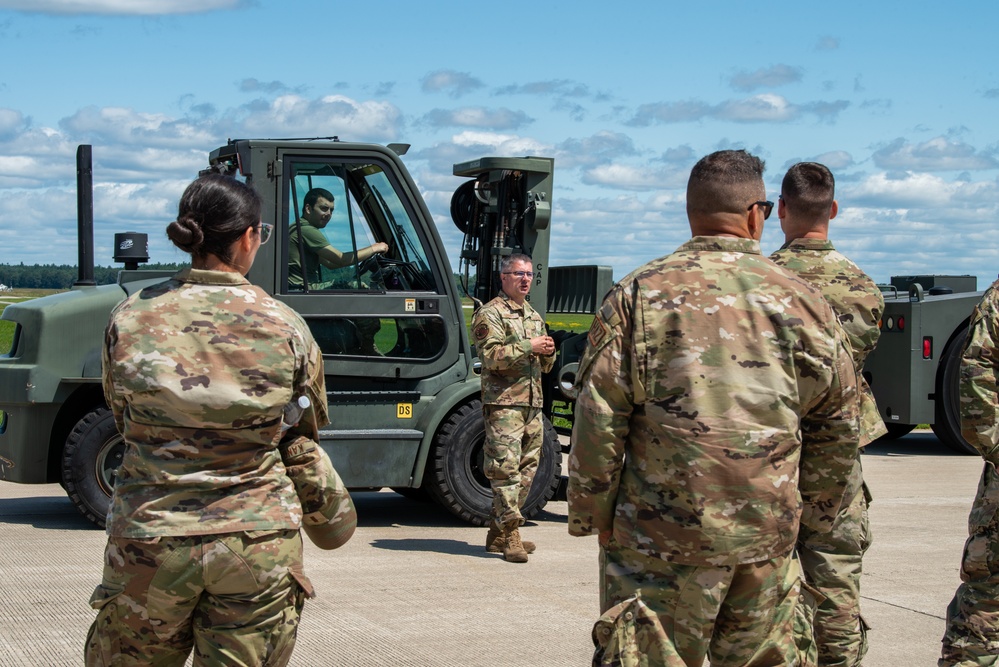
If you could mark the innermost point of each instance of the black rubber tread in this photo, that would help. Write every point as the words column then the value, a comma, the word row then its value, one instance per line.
column 463, row 206
column 86, row 444
column 454, row 475
column 947, row 422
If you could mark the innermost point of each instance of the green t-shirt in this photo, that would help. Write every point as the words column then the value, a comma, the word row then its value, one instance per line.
column 314, row 240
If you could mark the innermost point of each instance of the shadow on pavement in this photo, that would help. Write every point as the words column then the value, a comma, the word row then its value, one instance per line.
column 917, row 443
column 435, row 545
column 53, row 512
column 380, row 509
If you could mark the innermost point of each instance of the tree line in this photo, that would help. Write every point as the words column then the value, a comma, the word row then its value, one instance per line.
column 62, row 276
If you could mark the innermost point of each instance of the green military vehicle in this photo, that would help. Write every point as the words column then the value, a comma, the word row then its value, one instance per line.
column 914, row 370
column 401, row 376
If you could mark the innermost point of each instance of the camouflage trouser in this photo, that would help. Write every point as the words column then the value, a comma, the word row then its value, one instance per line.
column 831, row 563
column 629, row 634
column 512, row 451
column 738, row 616
column 235, row 598
column 972, row 635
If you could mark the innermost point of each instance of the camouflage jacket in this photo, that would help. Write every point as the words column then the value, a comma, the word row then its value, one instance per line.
column 197, row 371
column 717, row 408
column 511, row 372
column 979, row 372
column 858, row 304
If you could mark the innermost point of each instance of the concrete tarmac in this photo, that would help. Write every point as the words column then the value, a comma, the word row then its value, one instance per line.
column 415, row 587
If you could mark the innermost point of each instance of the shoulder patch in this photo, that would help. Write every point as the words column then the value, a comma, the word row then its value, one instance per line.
column 599, row 331
column 481, row 331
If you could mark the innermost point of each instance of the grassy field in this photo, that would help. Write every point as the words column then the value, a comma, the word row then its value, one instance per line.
column 16, row 296
column 556, row 321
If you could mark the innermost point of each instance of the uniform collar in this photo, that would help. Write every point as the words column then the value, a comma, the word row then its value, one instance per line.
column 722, row 244
column 203, row 277
column 809, row 244
column 513, row 305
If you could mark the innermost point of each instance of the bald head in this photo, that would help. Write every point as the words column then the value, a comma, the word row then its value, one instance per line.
column 721, row 188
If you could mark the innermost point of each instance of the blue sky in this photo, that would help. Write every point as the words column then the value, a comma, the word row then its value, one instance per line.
column 901, row 104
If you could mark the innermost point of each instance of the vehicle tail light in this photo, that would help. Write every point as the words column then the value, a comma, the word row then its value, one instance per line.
column 927, row 347
column 901, row 323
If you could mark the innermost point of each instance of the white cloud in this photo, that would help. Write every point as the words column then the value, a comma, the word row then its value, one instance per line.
column 491, row 143
column 765, row 107
column 294, row 115
column 598, row 148
column 127, row 126
column 762, row 108
column 635, row 177
column 454, row 83
column 827, row 43
column 11, row 122
column 937, row 154
column 120, row 7
column 911, row 190
column 922, row 191
column 769, row 77
column 478, row 117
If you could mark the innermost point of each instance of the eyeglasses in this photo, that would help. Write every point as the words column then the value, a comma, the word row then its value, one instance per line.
column 519, row 274
column 265, row 230
column 768, row 206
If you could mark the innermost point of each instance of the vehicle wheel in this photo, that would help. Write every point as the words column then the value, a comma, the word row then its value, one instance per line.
column 896, row 431
column 947, row 422
column 90, row 460
column 455, row 476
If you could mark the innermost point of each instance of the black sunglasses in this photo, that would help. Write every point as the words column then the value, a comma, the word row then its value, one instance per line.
column 768, row 206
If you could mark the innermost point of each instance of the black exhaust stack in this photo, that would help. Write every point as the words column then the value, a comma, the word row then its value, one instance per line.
column 85, row 215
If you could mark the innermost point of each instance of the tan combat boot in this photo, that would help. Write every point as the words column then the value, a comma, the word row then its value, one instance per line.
column 495, row 540
column 513, row 550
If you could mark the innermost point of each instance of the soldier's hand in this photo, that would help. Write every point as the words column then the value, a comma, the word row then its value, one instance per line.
column 543, row 345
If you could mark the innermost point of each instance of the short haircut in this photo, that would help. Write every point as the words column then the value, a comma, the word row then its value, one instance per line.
column 508, row 261
column 725, row 182
column 808, row 190
column 314, row 195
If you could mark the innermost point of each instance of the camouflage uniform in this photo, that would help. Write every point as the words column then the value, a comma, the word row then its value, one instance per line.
column 718, row 408
column 511, row 400
column 972, row 635
column 203, row 547
column 832, row 562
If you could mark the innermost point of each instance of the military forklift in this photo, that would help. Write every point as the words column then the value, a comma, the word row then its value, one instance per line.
column 914, row 371
column 401, row 376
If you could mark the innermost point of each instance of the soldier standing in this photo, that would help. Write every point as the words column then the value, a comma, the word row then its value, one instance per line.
column 832, row 561
column 718, row 408
column 515, row 350
column 204, row 550
column 972, row 635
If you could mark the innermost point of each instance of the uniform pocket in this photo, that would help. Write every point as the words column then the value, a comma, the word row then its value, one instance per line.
column 103, row 645
column 305, row 589
column 981, row 559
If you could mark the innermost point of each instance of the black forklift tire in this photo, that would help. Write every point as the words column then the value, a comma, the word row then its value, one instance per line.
column 455, row 476
column 90, row 460
column 947, row 421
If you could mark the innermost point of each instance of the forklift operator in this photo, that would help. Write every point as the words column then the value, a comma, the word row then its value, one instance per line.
column 317, row 210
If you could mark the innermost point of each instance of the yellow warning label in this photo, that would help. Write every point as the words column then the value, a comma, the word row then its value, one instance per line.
column 404, row 410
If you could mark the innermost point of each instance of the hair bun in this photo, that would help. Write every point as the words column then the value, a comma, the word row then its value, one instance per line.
column 186, row 233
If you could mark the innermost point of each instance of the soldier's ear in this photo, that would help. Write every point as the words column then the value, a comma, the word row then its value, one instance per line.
column 834, row 209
